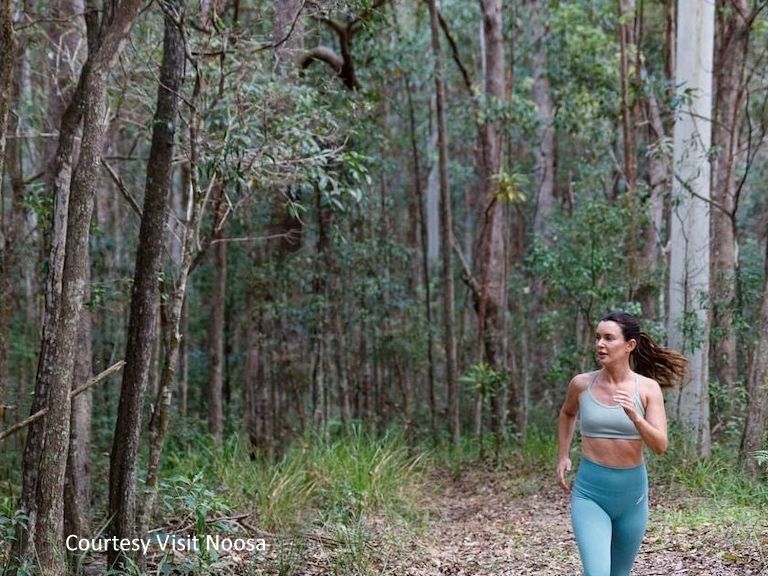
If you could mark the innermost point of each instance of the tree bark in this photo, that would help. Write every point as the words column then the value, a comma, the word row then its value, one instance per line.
column 757, row 389
column 732, row 44
column 9, row 229
column 77, row 491
column 492, row 272
column 59, row 179
column 216, row 327
column 145, row 297
column 50, row 492
column 7, row 62
column 628, row 47
column 659, row 183
column 689, row 239
column 446, row 229
column 544, row 152
column 420, row 202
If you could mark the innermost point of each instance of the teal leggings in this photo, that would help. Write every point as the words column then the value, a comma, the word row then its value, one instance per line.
column 609, row 513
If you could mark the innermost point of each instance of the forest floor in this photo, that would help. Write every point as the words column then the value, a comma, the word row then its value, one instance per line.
column 486, row 523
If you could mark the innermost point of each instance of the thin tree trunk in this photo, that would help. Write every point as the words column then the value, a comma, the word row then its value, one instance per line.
column 446, row 227
column 423, row 235
column 12, row 223
column 490, row 307
column 732, row 37
column 627, row 41
column 659, row 183
column 544, row 152
column 7, row 64
column 77, row 491
column 183, row 386
column 757, row 389
column 145, row 297
column 258, row 405
column 216, row 329
column 340, row 357
column 7, row 57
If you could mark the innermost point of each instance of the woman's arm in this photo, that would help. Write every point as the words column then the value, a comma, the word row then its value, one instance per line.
column 653, row 427
column 566, row 425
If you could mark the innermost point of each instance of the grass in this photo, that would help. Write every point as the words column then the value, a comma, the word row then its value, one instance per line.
column 325, row 491
column 352, row 497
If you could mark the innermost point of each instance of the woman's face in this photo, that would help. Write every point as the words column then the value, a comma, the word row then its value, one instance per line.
column 610, row 345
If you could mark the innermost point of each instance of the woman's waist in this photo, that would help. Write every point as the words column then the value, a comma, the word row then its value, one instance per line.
column 596, row 477
column 613, row 452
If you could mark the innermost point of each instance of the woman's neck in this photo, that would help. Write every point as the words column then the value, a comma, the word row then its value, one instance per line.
column 617, row 373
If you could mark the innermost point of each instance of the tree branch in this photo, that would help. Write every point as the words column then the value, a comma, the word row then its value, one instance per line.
column 75, row 392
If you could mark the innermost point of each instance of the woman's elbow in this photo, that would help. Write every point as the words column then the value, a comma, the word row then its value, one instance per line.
column 661, row 447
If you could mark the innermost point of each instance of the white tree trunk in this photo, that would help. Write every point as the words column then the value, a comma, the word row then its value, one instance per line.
column 689, row 241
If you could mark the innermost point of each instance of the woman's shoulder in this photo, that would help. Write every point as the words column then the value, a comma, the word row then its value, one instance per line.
column 647, row 386
column 582, row 381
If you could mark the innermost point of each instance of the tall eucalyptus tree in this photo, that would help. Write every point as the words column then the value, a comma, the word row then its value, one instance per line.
column 690, row 235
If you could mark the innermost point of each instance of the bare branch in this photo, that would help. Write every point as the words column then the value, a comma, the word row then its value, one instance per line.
column 79, row 390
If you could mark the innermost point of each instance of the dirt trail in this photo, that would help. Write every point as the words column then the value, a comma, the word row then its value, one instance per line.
column 481, row 526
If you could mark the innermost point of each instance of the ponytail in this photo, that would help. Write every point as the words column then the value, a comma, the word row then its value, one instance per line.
column 662, row 364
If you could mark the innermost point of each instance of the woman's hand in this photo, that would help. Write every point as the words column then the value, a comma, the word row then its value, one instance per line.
column 563, row 466
column 625, row 400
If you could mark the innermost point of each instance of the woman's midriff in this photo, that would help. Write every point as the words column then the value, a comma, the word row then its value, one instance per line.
column 616, row 452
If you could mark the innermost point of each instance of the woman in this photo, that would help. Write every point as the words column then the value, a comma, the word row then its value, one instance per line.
column 621, row 407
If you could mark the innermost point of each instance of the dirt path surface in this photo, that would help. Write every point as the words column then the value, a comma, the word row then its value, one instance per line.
column 480, row 525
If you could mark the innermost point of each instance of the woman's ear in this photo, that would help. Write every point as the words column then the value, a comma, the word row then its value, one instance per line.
column 632, row 344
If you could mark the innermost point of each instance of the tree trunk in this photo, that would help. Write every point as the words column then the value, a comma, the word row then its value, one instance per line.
column 446, row 228
column 544, row 153
column 59, row 180
column 183, row 386
column 145, row 297
column 340, row 357
column 689, row 240
column 50, row 489
column 216, row 328
column 627, row 42
column 492, row 301
column 10, row 224
column 757, row 390
column 7, row 63
column 77, row 491
column 658, row 182
column 730, row 59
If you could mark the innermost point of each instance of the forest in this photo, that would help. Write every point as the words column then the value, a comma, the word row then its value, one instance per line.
column 298, row 286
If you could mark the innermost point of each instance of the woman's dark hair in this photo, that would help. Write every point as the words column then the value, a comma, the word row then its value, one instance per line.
column 648, row 358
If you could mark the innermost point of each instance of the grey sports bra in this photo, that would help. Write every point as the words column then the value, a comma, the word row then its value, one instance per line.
column 598, row 420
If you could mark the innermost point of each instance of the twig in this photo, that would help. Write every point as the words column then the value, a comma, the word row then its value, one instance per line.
column 80, row 389
column 466, row 274
column 121, row 185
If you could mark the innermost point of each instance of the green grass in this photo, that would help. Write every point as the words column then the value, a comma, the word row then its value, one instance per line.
column 324, row 491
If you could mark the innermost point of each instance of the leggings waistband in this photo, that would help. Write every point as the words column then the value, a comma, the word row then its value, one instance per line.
column 610, row 479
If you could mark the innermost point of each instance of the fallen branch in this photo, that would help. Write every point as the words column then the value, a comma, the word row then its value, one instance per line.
column 80, row 389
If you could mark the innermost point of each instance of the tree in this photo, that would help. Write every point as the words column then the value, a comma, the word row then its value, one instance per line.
column 492, row 301
column 446, row 225
column 757, row 389
column 7, row 64
column 689, row 239
column 734, row 23
column 544, row 152
column 145, row 296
